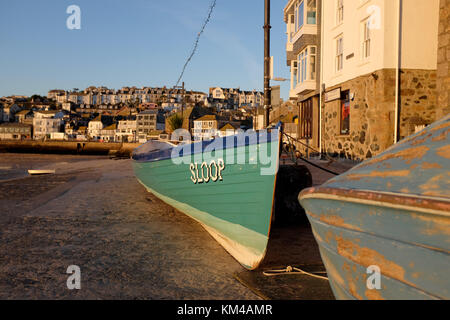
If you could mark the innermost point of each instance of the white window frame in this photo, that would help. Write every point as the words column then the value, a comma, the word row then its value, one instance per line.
column 339, row 59
column 297, row 27
column 365, row 39
column 304, row 65
column 339, row 12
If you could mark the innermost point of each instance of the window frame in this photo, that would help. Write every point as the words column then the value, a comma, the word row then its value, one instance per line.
column 366, row 39
column 339, row 12
column 304, row 65
column 339, row 63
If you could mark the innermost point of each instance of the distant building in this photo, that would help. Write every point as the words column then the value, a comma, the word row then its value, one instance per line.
column 147, row 121
column 46, row 122
column 227, row 129
column 108, row 134
column 9, row 112
column 96, row 125
column 15, row 131
column 25, row 116
column 126, row 131
column 206, row 127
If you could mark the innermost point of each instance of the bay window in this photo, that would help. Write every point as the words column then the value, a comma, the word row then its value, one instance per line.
column 306, row 63
column 301, row 15
column 311, row 11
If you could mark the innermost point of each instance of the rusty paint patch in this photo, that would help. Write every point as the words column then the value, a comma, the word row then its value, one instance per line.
column 433, row 187
column 367, row 257
column 434, row 224
column 427, row 165
column 444, row 152
column 441, row 137
column 417, row 141
column 374, row 294
column 351, row 280
column 408, row 155
column 378, row 174
column 335, row 220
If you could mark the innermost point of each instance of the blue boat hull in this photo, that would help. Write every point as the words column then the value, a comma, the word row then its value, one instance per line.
column 392, row 213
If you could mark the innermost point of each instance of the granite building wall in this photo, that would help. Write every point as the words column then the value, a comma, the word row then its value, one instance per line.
column 372, row 112
column 443, row 67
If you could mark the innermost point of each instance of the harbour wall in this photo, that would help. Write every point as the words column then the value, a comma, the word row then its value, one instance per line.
column 68, row 147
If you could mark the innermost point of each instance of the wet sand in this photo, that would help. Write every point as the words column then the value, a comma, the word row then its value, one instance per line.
column 94, row 214
column 129, row 245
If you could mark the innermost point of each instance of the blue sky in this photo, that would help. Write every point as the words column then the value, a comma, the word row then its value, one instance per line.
column 136, row 42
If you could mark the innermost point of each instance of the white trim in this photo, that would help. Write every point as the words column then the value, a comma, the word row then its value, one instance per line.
column 381, row 203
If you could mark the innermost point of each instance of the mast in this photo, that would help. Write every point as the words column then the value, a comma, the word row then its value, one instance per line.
column 267, row 94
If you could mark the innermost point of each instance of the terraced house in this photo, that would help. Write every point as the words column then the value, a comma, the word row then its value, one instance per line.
column 375, row 71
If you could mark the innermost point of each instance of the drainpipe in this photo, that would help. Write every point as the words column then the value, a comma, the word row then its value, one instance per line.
column 321, row 75
column 397, row 76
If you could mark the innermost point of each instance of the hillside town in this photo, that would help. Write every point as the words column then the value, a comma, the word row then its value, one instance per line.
column 127, row 115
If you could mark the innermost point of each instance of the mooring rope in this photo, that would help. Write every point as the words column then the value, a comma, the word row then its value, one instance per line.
column 293, row 270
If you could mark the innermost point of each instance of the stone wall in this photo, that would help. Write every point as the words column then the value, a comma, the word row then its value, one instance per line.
column 372, row 112
column 443, row 69
column 418, row 100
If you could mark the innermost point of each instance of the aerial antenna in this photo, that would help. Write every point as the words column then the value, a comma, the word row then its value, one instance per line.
column 211, row 8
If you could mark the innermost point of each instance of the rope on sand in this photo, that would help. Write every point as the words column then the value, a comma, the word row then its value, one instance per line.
column 293, row 270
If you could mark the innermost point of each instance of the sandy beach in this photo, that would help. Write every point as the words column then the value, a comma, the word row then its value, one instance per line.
column 94, row 214
column 128, row 244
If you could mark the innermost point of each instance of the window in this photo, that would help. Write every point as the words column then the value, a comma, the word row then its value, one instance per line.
column 340, row 12
column 312, row 64
column 366, row 39
column 306, row 120
column 306, row 66
column 339, row 53
column 294, row 74
column 311, row 12
column 345, row 112
column 299, row 15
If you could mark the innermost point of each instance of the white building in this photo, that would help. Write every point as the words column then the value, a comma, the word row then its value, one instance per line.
column 47, row 122
column 94, row 128
column 126, row 131
column 205, row 128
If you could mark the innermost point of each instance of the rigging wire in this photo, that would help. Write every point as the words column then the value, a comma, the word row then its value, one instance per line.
column 208, row 18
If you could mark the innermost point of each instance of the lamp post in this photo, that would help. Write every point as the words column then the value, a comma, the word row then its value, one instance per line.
column 267, row 95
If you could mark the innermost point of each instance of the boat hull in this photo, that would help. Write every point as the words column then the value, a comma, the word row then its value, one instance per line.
column 236, row 208
column 392, row 213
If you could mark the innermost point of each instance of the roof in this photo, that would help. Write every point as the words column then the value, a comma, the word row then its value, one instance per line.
column 148, row 112
column 47, row 111
column 209, row 117
column 15, row 125
column 227, row 126
column 111, row 127
column 22, row 112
